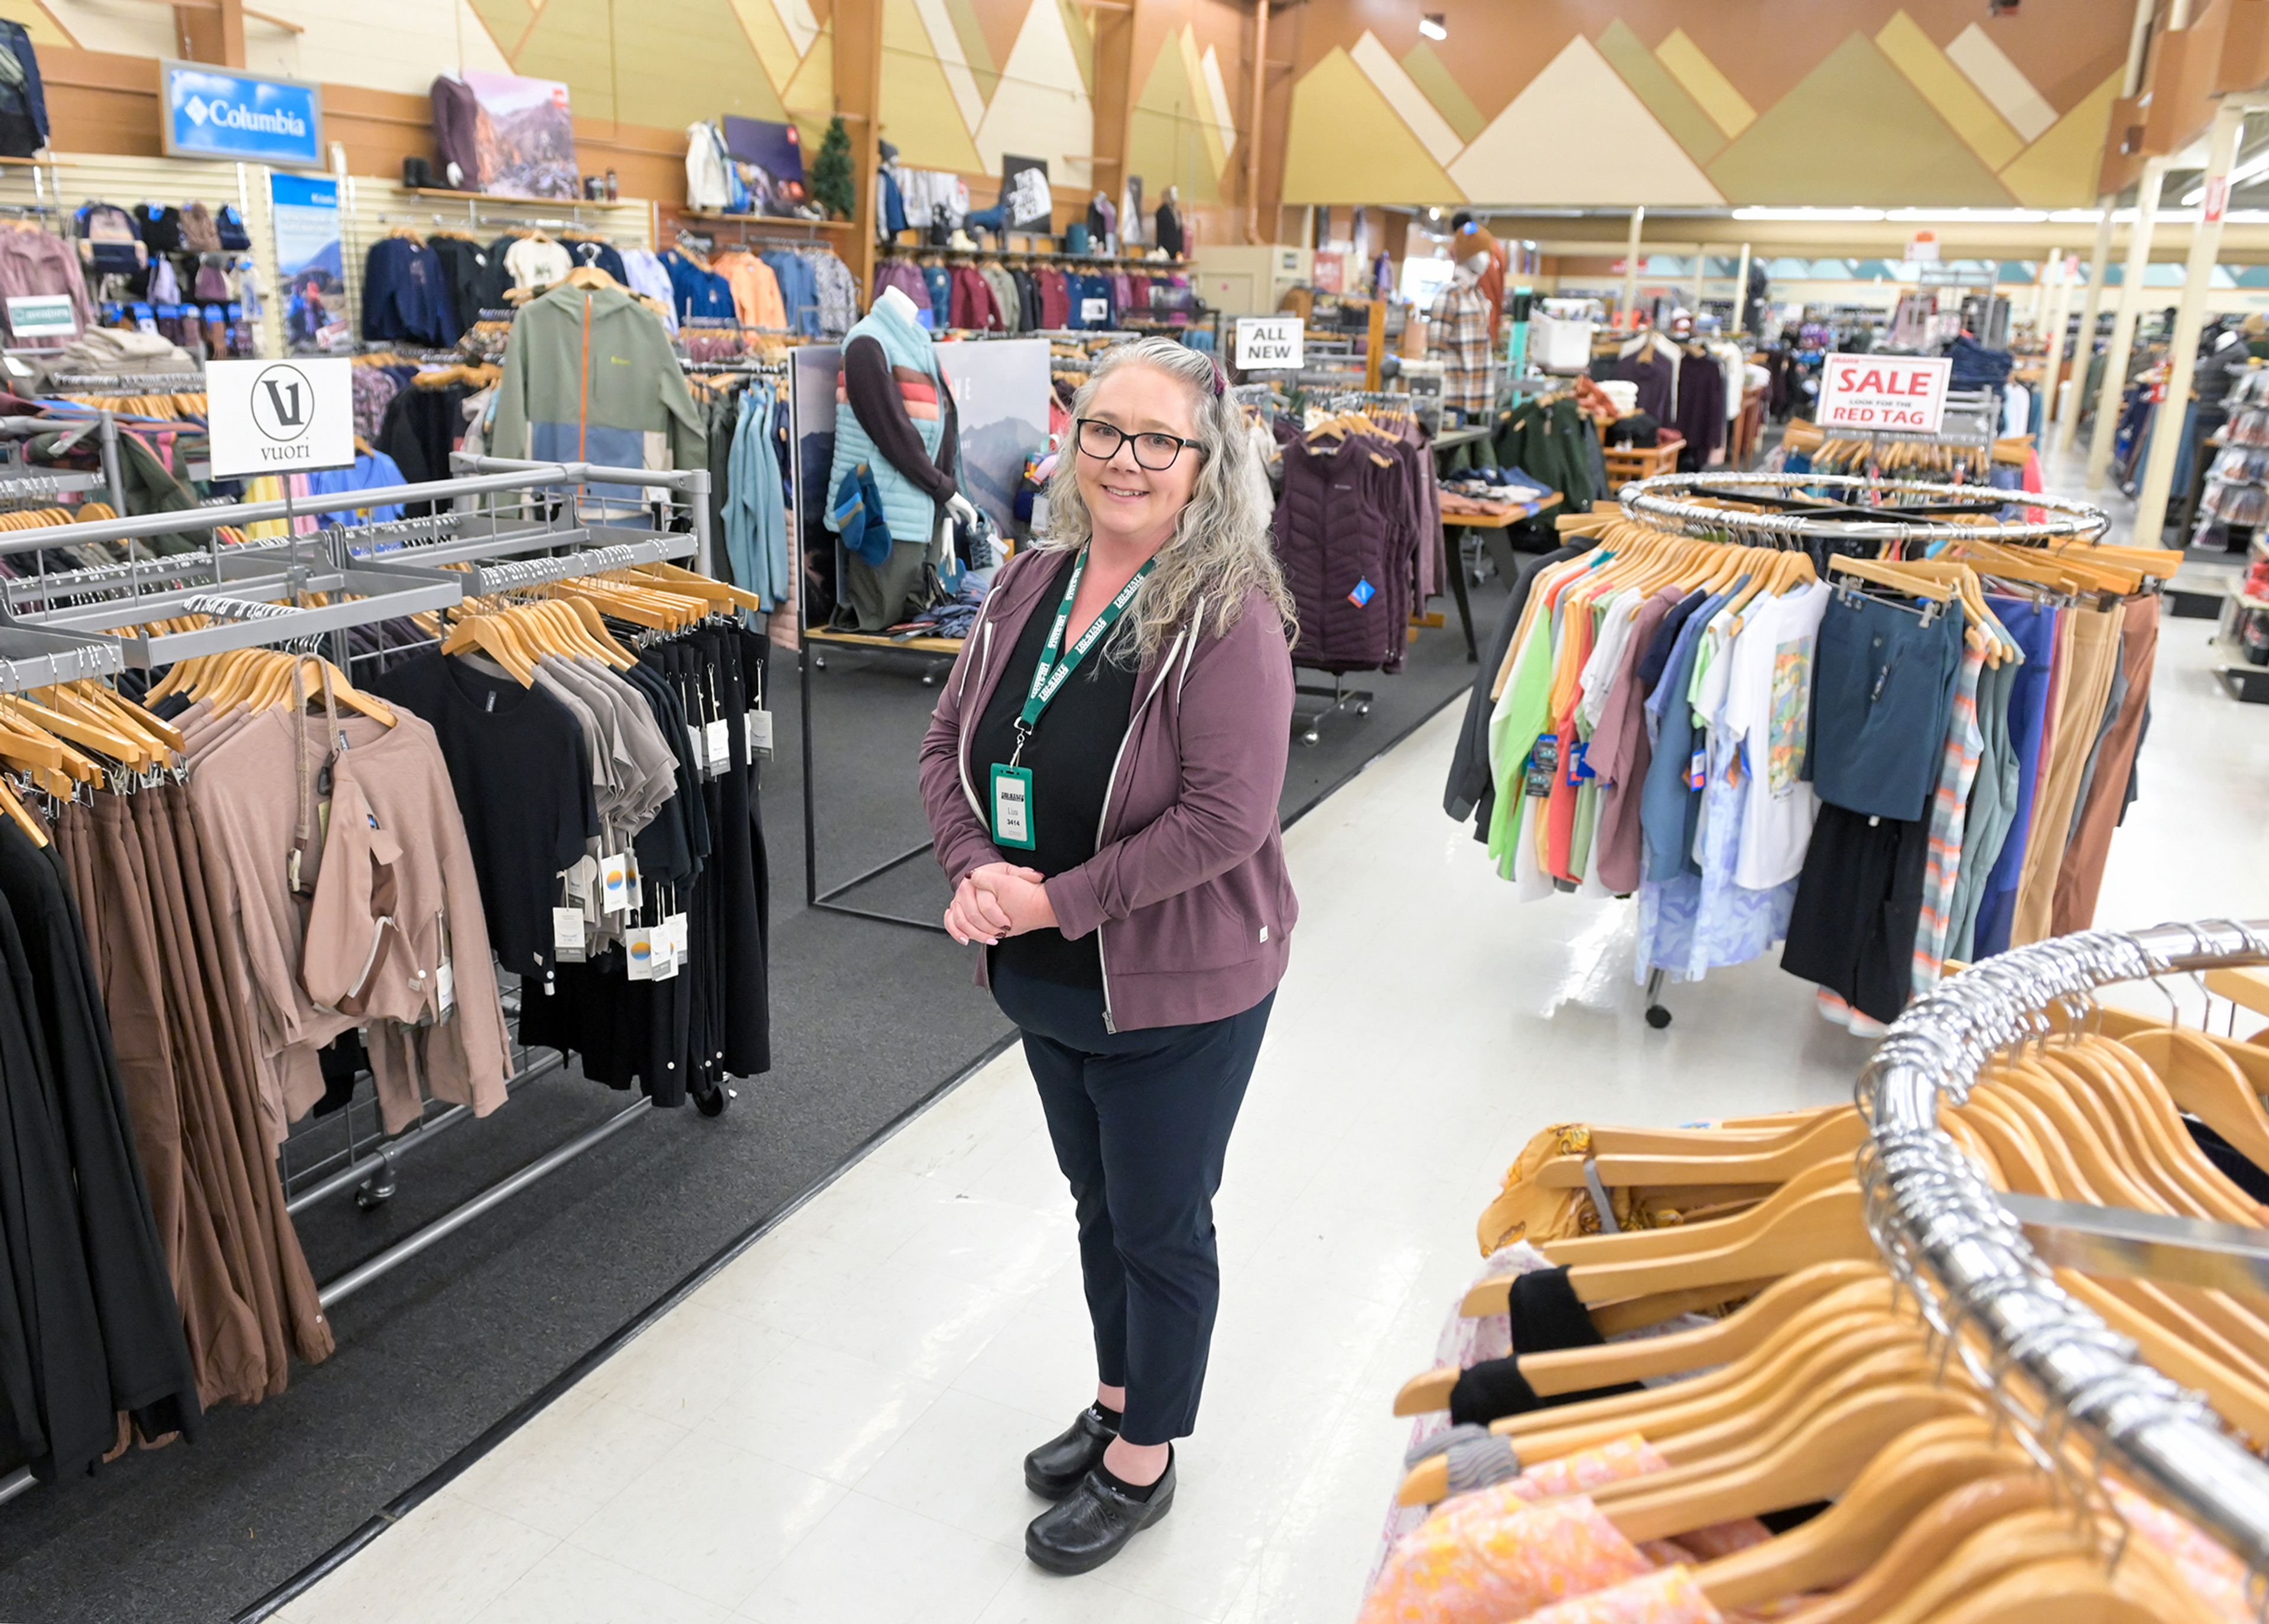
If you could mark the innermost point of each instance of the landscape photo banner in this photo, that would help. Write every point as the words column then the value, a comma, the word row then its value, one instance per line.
column 525, row 135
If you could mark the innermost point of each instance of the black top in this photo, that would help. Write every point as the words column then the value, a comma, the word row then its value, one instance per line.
column 147, row 1359
column 522, row 774
column 1072, row 750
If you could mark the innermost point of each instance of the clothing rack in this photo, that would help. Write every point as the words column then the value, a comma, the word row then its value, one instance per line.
column 125, row 383
column 42, row 648
column 1662, row 502
column 104, row 423
column 1949, row 1235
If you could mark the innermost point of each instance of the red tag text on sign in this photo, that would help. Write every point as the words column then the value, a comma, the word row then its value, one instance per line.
column 1870, row 391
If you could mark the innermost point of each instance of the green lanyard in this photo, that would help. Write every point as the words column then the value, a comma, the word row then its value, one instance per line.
column 1055, row 669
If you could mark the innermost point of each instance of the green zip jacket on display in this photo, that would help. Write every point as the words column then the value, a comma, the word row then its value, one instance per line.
column 590, row 377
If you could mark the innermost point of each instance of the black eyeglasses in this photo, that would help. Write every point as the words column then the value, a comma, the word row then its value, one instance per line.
column 1153, row 451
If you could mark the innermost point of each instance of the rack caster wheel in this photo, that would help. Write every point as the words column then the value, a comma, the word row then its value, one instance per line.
column 375, row 1191
column 1310, row 736
column 819, row 663
column 1657, row 1017
column 1363, row 709
column 713, row 1103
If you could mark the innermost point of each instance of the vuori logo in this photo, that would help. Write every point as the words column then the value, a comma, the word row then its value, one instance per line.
column 282, row 399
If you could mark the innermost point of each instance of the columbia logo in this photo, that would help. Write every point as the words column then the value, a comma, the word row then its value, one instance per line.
column 197, row 110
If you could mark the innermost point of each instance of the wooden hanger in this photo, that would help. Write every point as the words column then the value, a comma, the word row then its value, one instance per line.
column 1912, row 583
column 1671, row 1240
column 2202, row 1077
column 1852, row 1320
column 1836, row 1135
column 1817, row 1463
column 1912, row 1475
column 1494, row 1296
column 1574, row 1369
column 1907, row 1561
column 489, row 635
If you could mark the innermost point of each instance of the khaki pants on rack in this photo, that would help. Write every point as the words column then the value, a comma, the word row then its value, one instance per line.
column 2095, row 657
column 2081, row 878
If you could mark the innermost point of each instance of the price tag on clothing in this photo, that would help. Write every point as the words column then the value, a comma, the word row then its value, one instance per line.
column 637, row 952
column 1578, row 768
column 665, row 953
column 615, row 884
column 445, row 989
column 758, row 726
column 579, row 876
column 1697, row 767
column 567, row 936
column 697, row 749
column 719, row 746
column 1543, row 762
column 637, row 880
column 680, row 937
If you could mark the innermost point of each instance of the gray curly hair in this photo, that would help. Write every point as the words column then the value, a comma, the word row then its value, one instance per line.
column 1220, row 552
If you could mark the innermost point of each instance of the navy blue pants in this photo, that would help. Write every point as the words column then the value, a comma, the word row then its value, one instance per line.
column 1882, row 691
column 1141, row 1123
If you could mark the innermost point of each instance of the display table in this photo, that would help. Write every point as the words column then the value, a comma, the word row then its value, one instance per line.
column 1484, row 521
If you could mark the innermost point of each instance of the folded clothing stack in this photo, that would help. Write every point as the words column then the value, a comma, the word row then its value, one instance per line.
column 1489, row 492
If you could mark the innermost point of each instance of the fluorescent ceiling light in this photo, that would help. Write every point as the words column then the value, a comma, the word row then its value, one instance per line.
column 1809, row 214
column 2252, row 169
column 1978, row 217
column 1431, row 25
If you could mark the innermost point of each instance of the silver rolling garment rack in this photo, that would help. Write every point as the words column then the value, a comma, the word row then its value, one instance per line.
column 1974, row 1256
column 512, row 525
column 1663, row 503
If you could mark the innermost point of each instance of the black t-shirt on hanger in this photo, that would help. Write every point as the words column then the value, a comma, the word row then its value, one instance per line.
column 522, row 774
column 1072, row 750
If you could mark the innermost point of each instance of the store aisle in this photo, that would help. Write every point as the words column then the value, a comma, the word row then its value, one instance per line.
column 830, row 1430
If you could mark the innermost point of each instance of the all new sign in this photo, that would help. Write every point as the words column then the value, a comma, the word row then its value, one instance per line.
column 205, row 112
column 1884, row 392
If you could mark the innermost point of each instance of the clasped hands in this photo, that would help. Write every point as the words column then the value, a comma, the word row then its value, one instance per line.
column 997, row 900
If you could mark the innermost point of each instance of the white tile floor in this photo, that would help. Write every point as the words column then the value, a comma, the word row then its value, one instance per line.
column 831, row 1430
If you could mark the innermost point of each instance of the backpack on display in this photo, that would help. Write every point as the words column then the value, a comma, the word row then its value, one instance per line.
column 109, row 242
column 230, row 224
column 199, row 234
column 160, row 227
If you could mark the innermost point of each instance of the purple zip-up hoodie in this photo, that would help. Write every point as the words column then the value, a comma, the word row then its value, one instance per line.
column 1188, row 889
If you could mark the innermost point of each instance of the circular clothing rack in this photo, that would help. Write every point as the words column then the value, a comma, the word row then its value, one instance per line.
column 1695, row 504
column 1945, row 1232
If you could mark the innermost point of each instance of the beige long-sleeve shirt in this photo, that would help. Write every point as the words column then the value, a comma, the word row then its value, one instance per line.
column 387, row 892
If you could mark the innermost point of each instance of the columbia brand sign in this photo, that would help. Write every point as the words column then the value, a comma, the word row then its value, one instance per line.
column 1884, row 392
column 1268, row 344
column 212, row 113
column 280, row 417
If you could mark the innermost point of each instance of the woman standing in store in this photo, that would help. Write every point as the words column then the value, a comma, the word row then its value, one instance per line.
column 1101, row 776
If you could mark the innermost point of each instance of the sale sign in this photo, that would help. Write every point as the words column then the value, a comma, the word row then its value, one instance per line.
column 1869, row 392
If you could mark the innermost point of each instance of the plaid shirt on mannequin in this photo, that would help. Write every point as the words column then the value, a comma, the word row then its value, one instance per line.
column 1460, row 324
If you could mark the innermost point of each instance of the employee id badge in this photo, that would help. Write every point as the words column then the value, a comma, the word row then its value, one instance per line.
column 1012, row 806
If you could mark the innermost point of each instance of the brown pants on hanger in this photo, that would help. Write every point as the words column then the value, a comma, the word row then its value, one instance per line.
column 2094, row 658
column 2081, row 878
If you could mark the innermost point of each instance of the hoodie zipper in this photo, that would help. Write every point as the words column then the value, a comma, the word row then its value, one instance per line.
column 1165, row 670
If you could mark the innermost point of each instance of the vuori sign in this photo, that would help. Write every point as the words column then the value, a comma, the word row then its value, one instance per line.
column 1884, row 392
column 279, row 416
column 212, row 113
